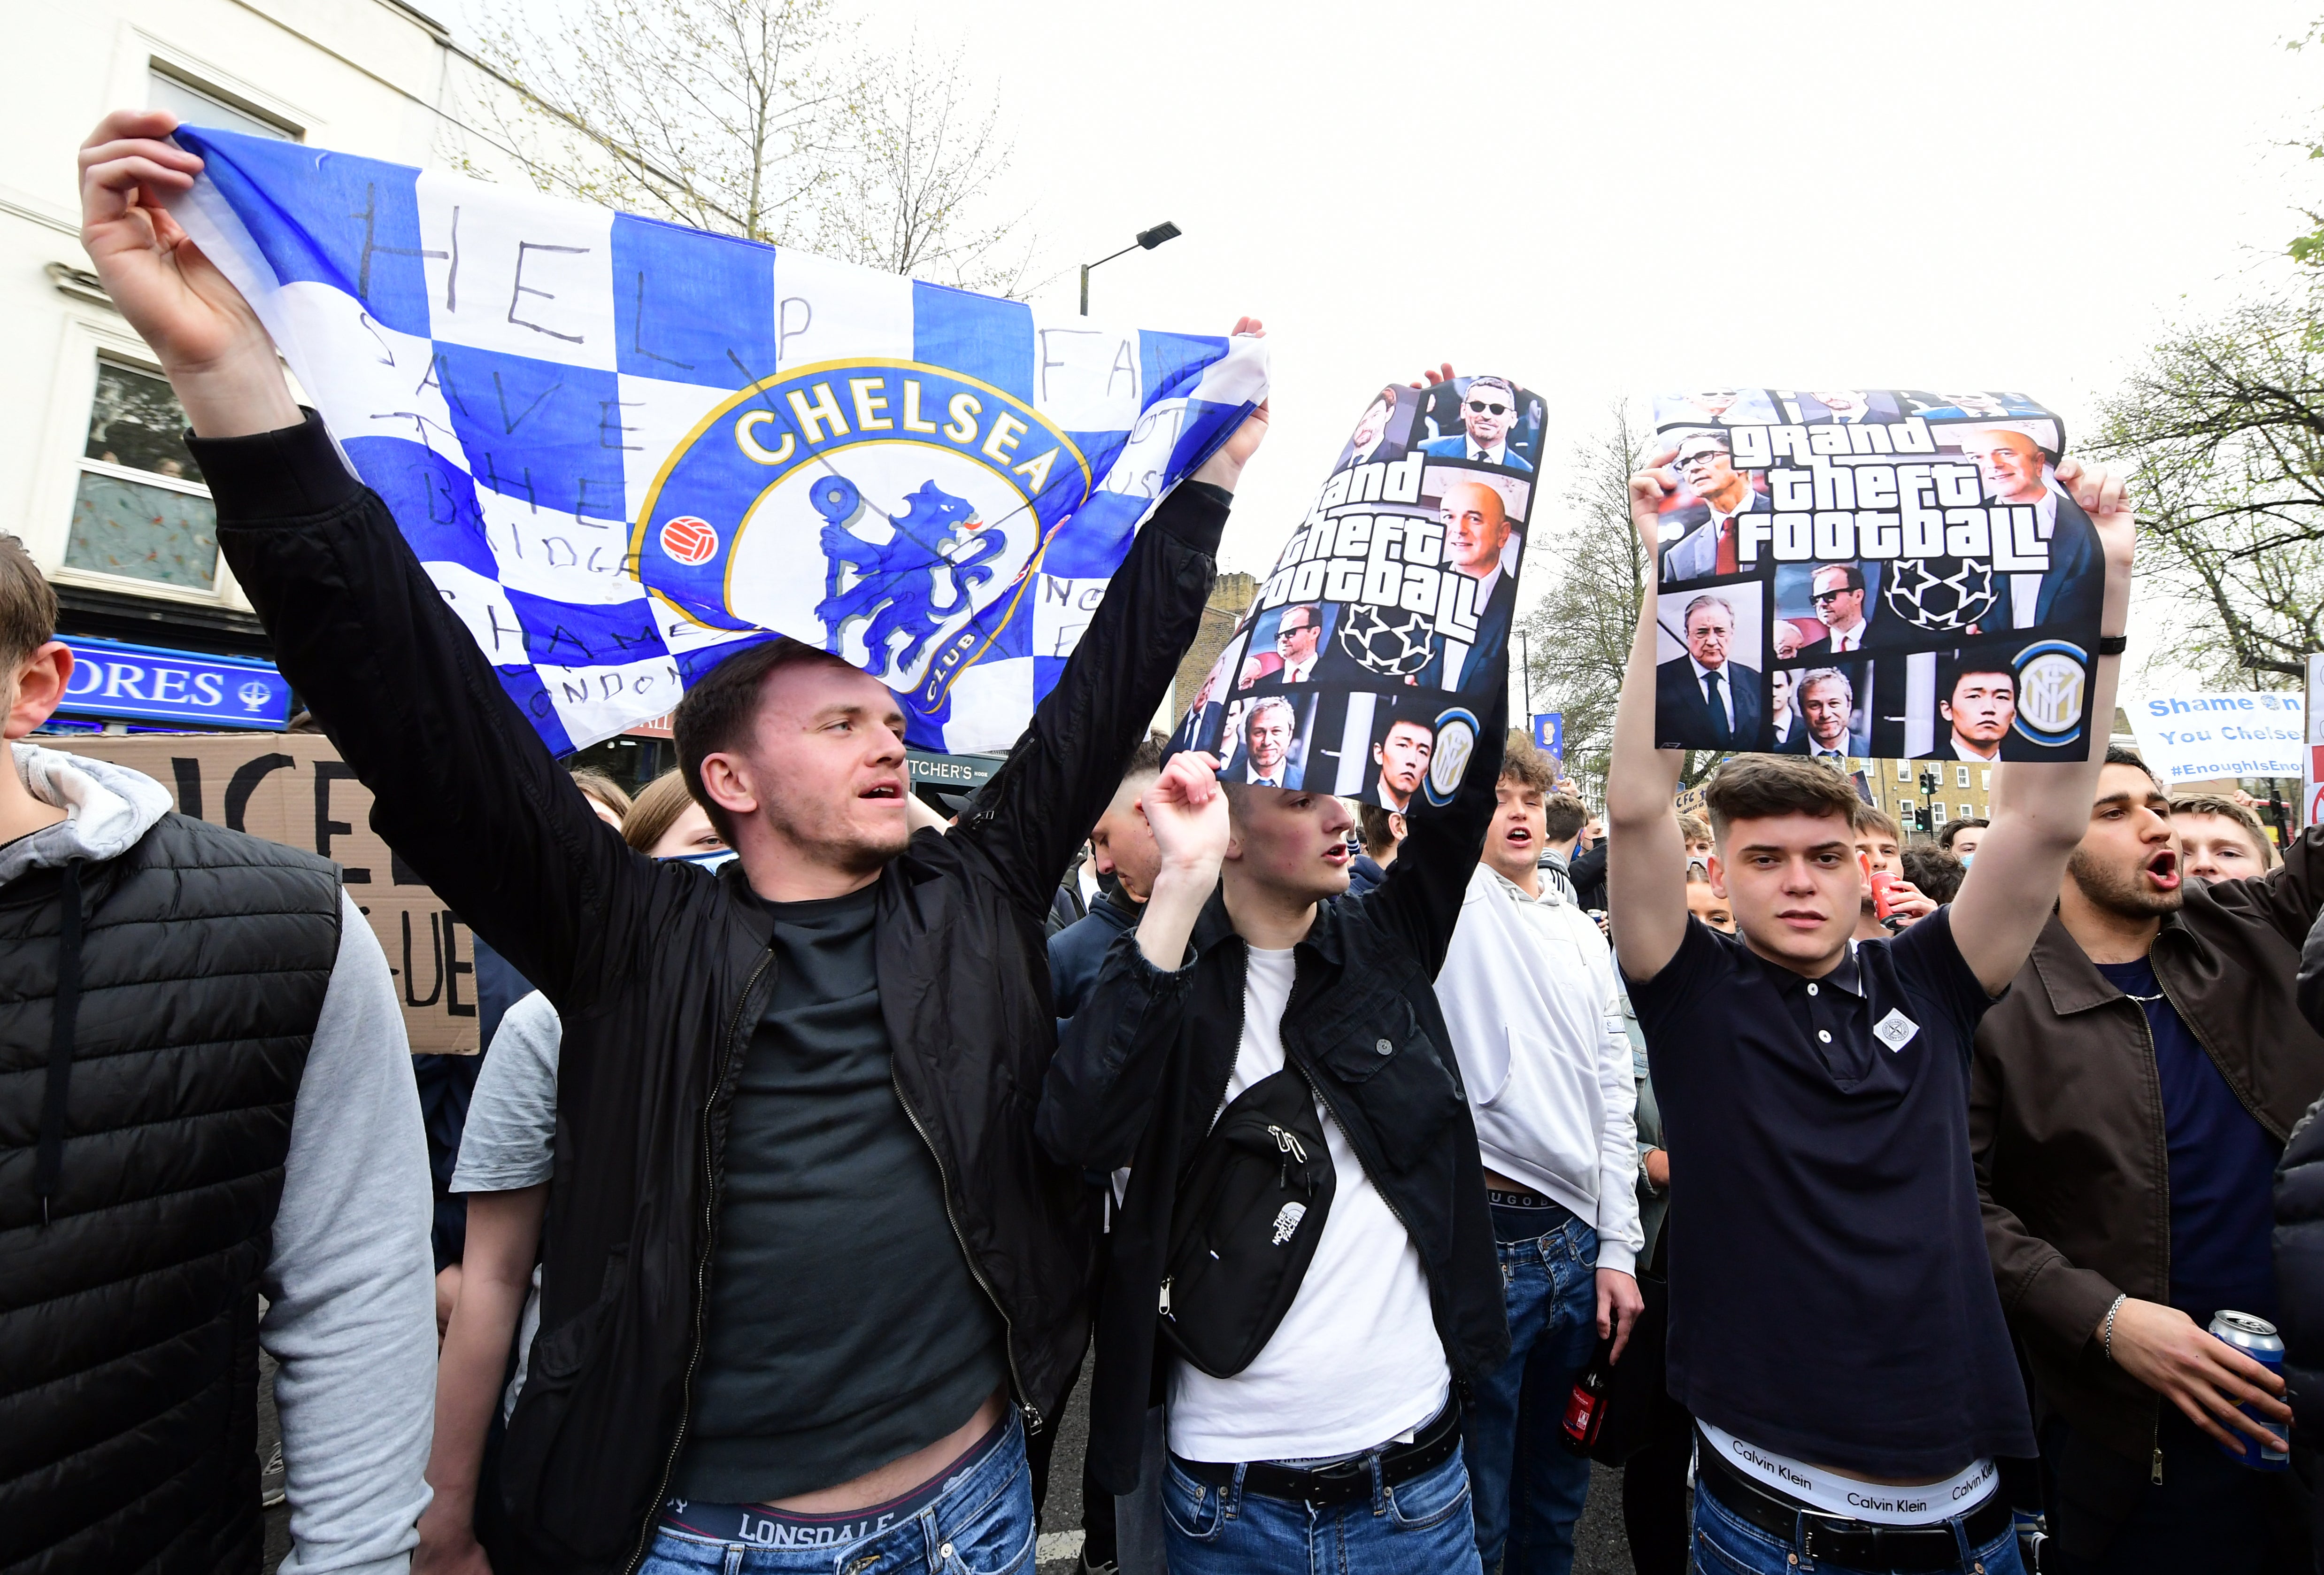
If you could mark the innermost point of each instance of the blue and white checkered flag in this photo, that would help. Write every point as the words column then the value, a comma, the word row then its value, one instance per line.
column 623, row 449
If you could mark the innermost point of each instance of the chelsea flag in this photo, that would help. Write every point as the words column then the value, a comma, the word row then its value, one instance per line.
column 623, row 449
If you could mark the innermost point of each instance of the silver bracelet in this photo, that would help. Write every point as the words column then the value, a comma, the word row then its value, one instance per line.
column 2106, row 1333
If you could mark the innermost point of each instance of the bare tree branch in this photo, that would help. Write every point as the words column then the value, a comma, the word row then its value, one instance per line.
column 761, row 118
column 1579, row 636
column 2222, row 431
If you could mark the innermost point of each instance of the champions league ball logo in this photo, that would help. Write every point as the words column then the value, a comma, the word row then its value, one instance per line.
column 1942, row 594
column 1393, row 651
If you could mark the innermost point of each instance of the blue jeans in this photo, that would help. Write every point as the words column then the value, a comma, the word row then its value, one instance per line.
column 983, row 1525
column 1515, row 1434
column 1725, row 1544
column 1419, row 1527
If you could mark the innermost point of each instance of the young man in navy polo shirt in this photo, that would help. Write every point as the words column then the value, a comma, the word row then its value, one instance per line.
column 1834, row 1324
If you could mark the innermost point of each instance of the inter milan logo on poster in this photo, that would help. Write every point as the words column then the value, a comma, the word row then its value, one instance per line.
column 929, row 494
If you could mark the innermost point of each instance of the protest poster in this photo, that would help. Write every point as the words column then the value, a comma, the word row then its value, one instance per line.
column 623, row 449
column 1366, row 663
column 293, row 788
column 2196, row 735
column 1882, row 573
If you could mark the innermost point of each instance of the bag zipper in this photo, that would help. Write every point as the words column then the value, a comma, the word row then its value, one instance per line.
column 702, row 1264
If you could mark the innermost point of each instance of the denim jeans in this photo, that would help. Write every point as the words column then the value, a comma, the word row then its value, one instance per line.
column 1515, row 1434
column 1419, row 1527
column 983, row 1525
column 1725, row 1544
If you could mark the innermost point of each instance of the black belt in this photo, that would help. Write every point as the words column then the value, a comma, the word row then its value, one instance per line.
column 1851, row 1543
column 1348, row 1482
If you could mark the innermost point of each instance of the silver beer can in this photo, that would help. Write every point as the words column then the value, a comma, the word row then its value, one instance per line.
column 2256, row 1339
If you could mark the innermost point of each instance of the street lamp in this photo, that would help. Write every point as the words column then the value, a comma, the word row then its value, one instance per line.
column 1147, row 239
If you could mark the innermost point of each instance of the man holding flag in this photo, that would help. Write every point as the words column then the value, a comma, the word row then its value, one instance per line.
column 803, row 1249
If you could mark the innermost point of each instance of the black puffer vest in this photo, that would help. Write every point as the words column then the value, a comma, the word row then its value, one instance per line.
column 141, row 1162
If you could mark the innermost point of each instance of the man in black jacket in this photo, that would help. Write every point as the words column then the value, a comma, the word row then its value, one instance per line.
column 1340, row 1438
column 801, row 1246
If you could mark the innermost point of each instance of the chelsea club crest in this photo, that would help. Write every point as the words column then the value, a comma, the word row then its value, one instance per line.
column 895, row 510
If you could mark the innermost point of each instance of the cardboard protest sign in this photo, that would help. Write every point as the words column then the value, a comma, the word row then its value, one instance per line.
column 1872, row 572
column 293, row 789
column 2193, row 735
column 1373, row 648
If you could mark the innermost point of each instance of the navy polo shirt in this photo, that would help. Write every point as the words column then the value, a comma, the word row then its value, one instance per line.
column 1829, row 1294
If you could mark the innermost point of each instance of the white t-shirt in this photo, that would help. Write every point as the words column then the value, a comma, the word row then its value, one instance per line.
column 1356, row 1361
column 511, row 1128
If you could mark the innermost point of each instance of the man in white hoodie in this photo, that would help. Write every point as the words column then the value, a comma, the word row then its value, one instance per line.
column 206, row 1095
column 1531, row 1000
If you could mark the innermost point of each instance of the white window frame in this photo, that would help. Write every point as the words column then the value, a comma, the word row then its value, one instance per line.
column 1903, row 771
column 1987, row 784
column 87, row 339
column 191, row 71
column 1961, row 776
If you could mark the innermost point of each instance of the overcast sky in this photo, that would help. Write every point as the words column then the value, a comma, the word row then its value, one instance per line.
column 1600, row 201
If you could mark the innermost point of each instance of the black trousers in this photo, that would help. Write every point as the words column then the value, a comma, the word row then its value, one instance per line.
column 1097, row 1504
column 2107, row 1517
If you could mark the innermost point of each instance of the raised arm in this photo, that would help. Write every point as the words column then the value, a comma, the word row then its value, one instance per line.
column 464, row 791
column 1037, row 809
column 1421, row 897
column 1646, row 858
column 2040, row 810
column 1112, row 1053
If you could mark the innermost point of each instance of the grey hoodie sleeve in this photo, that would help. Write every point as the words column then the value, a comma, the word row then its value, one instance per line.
column 351, row 1283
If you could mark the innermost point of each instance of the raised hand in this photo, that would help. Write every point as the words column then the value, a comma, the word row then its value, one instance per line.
column 1224, row 467
column 1441, row 374
column 1649, row 487
column 1188, row 813
column 212, row 346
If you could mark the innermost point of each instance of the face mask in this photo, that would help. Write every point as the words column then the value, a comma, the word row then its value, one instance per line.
column 713, row 861
column 1969, row 858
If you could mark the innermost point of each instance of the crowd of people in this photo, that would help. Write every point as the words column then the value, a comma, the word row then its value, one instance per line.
column 1877, row 1204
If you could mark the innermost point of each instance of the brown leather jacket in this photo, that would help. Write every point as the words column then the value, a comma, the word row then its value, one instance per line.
column 2066, row 1119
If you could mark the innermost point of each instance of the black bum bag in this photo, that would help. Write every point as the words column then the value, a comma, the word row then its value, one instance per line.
column 1248, row 1215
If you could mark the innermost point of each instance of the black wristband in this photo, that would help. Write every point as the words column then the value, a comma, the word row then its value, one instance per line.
column 2113, row 644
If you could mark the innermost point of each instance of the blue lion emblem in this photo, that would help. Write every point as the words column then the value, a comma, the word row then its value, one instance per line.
column 895, row 582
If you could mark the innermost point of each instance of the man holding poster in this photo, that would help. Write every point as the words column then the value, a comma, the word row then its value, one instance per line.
column 1816, row 1087
column 807, row 1260
column 1311, row 1301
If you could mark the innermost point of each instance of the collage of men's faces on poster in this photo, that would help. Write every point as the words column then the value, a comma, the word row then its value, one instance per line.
column 1883, row 573
column 1368, row 658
